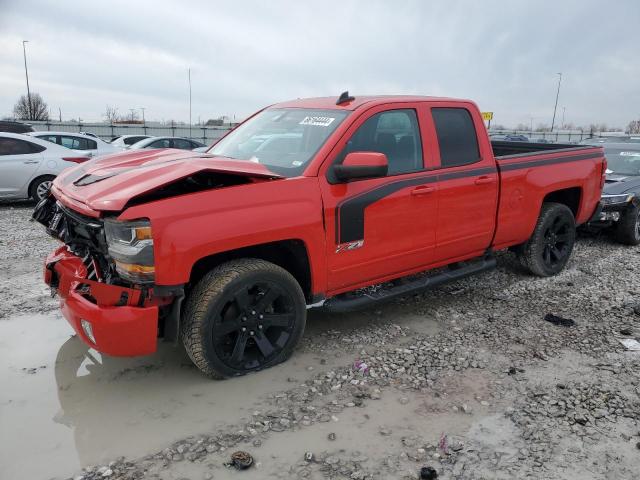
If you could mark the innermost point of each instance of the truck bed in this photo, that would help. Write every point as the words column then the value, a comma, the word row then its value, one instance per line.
column 508, row 149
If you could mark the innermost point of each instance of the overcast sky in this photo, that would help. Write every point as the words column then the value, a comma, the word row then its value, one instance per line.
column 84, row 55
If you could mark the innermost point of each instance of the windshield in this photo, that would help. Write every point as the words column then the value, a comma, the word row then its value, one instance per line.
column 282, row 139
column 623, row 160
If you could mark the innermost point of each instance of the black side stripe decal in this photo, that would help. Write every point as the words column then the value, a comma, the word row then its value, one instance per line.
column 349, row 218
column 549, row 161
column 350, row 212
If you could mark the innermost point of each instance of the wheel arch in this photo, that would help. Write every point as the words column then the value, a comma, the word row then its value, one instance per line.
column 292, row 255
column 571, row 197
column 35, row 180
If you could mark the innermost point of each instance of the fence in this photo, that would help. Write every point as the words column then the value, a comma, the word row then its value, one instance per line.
column 558, row 136
column 107, row 131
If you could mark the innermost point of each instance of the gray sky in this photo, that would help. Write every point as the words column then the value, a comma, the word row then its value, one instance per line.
column 84, row 55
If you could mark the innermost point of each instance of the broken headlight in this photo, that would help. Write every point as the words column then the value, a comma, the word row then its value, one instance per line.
column 131, row 247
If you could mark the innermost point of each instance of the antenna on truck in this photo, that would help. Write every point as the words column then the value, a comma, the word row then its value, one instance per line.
column 344, row 98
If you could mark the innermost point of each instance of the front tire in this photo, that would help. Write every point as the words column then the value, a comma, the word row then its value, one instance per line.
column 243, row 316
column 548, row 250
column 628, row 227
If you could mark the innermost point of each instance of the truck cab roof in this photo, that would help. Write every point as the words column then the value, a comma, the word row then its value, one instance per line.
column 329, row 103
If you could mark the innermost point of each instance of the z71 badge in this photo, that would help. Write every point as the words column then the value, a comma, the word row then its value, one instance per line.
column 345, row 247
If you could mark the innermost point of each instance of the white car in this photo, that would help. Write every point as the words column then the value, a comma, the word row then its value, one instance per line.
column 167, row 142
column 123, row 141
column 92, row 146
column 28, row 165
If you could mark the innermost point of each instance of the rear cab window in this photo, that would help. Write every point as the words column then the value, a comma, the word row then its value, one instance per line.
column 457, row 137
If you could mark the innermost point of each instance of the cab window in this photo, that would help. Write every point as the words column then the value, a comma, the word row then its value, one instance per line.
column 394, row 133
column 457, row 137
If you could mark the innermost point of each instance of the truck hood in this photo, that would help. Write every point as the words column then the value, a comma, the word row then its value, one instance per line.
column 619, row 184
column 109, row 182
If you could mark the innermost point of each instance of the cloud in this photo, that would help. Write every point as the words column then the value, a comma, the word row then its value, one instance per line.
column 246, row 54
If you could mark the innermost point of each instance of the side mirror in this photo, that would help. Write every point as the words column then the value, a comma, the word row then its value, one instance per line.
column 362, row 165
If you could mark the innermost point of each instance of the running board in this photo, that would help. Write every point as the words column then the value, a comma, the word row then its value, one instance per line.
column 345, row 303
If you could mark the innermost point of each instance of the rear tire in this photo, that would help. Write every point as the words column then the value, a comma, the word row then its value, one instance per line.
column 548, row 250
column 40, row 187
column 243, row 316
column 628, row 228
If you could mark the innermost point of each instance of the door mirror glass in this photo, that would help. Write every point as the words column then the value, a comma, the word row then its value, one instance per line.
column 358, row 165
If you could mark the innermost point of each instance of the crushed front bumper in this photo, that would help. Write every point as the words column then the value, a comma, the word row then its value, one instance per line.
column 120, row 325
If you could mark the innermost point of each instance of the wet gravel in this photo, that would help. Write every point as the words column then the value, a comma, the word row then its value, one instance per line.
column 521, row 397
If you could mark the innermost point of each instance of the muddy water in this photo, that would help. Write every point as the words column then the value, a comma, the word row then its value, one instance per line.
column 66, row 406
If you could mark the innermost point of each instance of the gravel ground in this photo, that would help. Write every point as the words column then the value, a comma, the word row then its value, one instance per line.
column 467, row 381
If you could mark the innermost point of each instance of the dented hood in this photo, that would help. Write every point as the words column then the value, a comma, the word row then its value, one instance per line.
column 109, row 182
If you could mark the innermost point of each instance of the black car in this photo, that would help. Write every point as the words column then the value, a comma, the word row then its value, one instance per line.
column 621, row 194
column 14, row 127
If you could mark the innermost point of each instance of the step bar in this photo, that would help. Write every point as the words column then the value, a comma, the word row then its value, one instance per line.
column 348, row 303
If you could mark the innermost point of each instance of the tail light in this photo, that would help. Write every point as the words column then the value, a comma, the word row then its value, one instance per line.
column 75, row 159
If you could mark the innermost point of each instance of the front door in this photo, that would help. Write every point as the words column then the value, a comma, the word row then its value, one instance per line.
column 18, row 163
column 379, row 228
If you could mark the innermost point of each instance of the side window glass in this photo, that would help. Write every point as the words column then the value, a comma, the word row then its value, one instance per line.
column 12, row 146
column 394, row 133
column 91, row 144
column 456, row 136
column 182, row 144
column 70, row 142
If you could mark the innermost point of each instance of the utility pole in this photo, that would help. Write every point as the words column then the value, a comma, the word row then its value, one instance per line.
column 133, row 112
column 556, row 105
column 189, row 73
column 564, row 110
column 144, row 122
column 531, row 123
column 60, row 114
column 26, row 74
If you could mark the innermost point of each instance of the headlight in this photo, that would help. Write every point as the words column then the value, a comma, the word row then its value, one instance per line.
column 615, row 199
column 131, row 247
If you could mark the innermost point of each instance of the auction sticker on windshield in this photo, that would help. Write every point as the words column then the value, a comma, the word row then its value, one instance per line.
column 318, row 121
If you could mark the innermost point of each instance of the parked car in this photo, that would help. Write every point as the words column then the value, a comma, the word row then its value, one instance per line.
column 515, row 138
column 14, row 127
column 77, row 141
column 29, row 164
column 226, row 251
column 90, row 134
column 124, row 141
column 621, row 194
column 167, row 142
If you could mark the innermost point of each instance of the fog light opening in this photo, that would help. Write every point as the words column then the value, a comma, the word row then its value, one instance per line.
column 88, row 330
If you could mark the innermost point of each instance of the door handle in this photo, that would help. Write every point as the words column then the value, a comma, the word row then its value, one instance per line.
column 423, row 190
column 27, row 162
column 484, row 179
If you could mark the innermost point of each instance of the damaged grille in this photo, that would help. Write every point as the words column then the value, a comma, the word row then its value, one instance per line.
column 83, row 235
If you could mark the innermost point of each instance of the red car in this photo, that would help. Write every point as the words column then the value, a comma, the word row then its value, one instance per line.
column 301, row 205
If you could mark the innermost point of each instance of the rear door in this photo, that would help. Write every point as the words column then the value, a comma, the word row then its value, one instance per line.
column 380, row 227
column 19, row 161
column 467, row 182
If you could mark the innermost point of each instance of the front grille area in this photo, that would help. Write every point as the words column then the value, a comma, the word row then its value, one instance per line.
column 82, row 234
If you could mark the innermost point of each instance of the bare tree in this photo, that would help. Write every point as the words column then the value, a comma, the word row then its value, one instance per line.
column 110, row 114
column 31, row 108
column 634, row 126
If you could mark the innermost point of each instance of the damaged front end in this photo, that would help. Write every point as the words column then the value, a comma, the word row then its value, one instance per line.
column 110, row 311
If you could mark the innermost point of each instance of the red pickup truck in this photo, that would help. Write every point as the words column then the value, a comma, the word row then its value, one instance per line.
column 303, row 204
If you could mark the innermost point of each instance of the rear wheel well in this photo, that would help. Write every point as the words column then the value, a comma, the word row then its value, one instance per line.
column 37, row 180
column 567, row 196
column 289, row 254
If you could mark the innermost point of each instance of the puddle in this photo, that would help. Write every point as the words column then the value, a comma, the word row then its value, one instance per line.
column 68, row 406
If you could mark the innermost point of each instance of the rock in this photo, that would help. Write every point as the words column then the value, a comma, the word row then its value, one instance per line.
column 403, row 400
column 309, row 457
column 428, row 473
column 331, row 437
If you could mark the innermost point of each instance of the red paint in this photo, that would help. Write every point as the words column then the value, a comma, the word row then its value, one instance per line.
column 427, row 224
